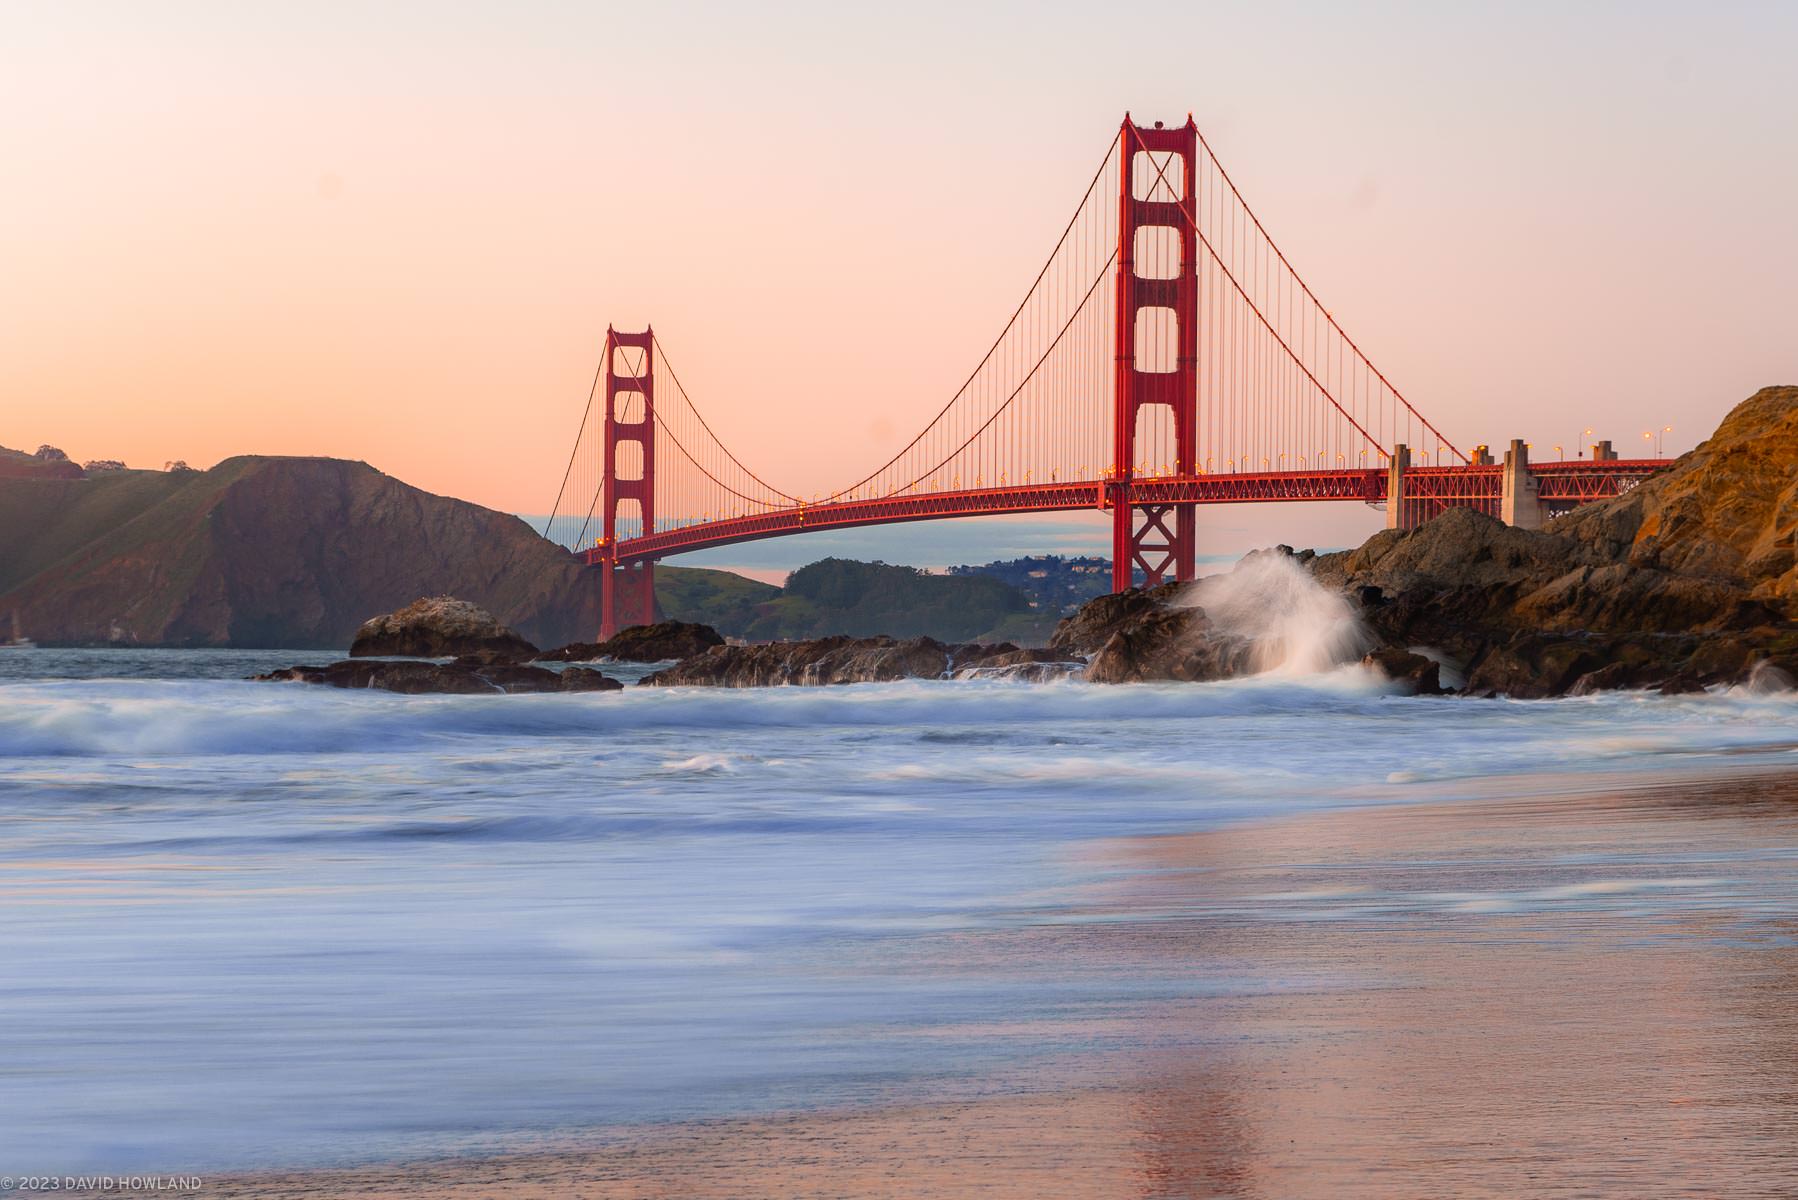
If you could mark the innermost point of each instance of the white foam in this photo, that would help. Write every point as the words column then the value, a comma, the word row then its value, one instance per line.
column 1298, row 627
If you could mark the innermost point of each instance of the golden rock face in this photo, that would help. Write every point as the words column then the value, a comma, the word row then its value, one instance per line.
column 1728, row 508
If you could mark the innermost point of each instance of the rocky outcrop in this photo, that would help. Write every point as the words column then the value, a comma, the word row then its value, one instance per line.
column 664, row 641
column 473, row 675
column 1171, row 643
column 1728, row 510
column 1096, row 621
column 439, row 627
column 1415, row 674
column 1035, row 665
column 835, row 660
column 1686, row 581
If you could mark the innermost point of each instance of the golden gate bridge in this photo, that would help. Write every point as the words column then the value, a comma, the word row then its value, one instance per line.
column 1167, row 355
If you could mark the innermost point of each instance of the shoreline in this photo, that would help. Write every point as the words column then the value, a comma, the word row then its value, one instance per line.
column 1471, row 997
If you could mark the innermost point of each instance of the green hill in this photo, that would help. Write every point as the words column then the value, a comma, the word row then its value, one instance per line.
column 728, row 603
column 838, row 595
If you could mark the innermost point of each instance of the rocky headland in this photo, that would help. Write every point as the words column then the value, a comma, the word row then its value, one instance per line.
column 1684, row 582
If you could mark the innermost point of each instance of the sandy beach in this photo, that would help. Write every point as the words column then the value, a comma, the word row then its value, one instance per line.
column 1560, row 995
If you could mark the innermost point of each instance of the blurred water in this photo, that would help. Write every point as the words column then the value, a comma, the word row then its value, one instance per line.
column 248, row 924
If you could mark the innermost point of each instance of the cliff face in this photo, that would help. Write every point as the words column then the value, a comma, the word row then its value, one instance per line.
column 1728, row 509
column 271, row 552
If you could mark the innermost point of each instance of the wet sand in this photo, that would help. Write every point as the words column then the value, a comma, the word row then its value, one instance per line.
column 1569, row 995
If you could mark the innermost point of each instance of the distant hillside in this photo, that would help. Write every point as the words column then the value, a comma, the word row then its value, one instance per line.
column 838, row 595
column 728, row 603
column 298, row 552
column 263, row 551
column 1052, row 584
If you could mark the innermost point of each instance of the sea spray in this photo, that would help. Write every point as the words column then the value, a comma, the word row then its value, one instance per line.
column 1295, row 625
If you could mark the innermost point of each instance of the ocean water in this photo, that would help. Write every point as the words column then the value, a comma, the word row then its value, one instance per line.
column 256, row 924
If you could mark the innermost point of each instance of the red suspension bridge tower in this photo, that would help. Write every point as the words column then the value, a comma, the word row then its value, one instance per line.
column 1157, row 343
column 627, row 588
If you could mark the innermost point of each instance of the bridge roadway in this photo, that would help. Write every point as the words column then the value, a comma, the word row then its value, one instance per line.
column 1427, row 490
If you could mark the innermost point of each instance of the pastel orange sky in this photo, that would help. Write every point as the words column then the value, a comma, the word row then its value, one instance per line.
column 397, row 232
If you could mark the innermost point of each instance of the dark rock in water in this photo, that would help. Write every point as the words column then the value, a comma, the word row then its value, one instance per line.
column 585, row 679
column 1531, row 666
column 823, row 661
column 465, row 676
column 1087, row 630
column 1169, row 643
column 663, row 641
column 1005, row 661
column 439, row 627
column 836, row 660
column 1415, row 674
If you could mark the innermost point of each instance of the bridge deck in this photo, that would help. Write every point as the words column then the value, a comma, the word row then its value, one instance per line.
column 1561, row 483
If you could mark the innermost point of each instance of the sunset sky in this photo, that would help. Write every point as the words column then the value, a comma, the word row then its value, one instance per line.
column 397, row 232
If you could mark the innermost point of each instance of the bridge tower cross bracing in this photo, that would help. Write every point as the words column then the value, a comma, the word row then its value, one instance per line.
column 627, row 590
column 1156, row 162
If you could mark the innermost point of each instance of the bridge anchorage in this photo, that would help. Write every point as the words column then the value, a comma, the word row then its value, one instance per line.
column 1167, row 355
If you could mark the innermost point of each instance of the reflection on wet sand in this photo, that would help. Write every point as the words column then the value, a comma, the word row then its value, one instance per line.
column 1550, row 997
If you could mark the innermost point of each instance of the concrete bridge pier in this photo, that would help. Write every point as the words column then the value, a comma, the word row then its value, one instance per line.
column 1520, row 502
column 1395, row 487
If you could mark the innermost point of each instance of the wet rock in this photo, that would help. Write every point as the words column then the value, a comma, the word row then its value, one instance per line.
column 1531, row 667
column 663, row 641
column 1005, row 661
column 1087, row 630
column 465, row 676
column 1177, row 644
column 818, row 662
column 1414, row 674
column 834, row 660
column 439, row 627
column 586, row 679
